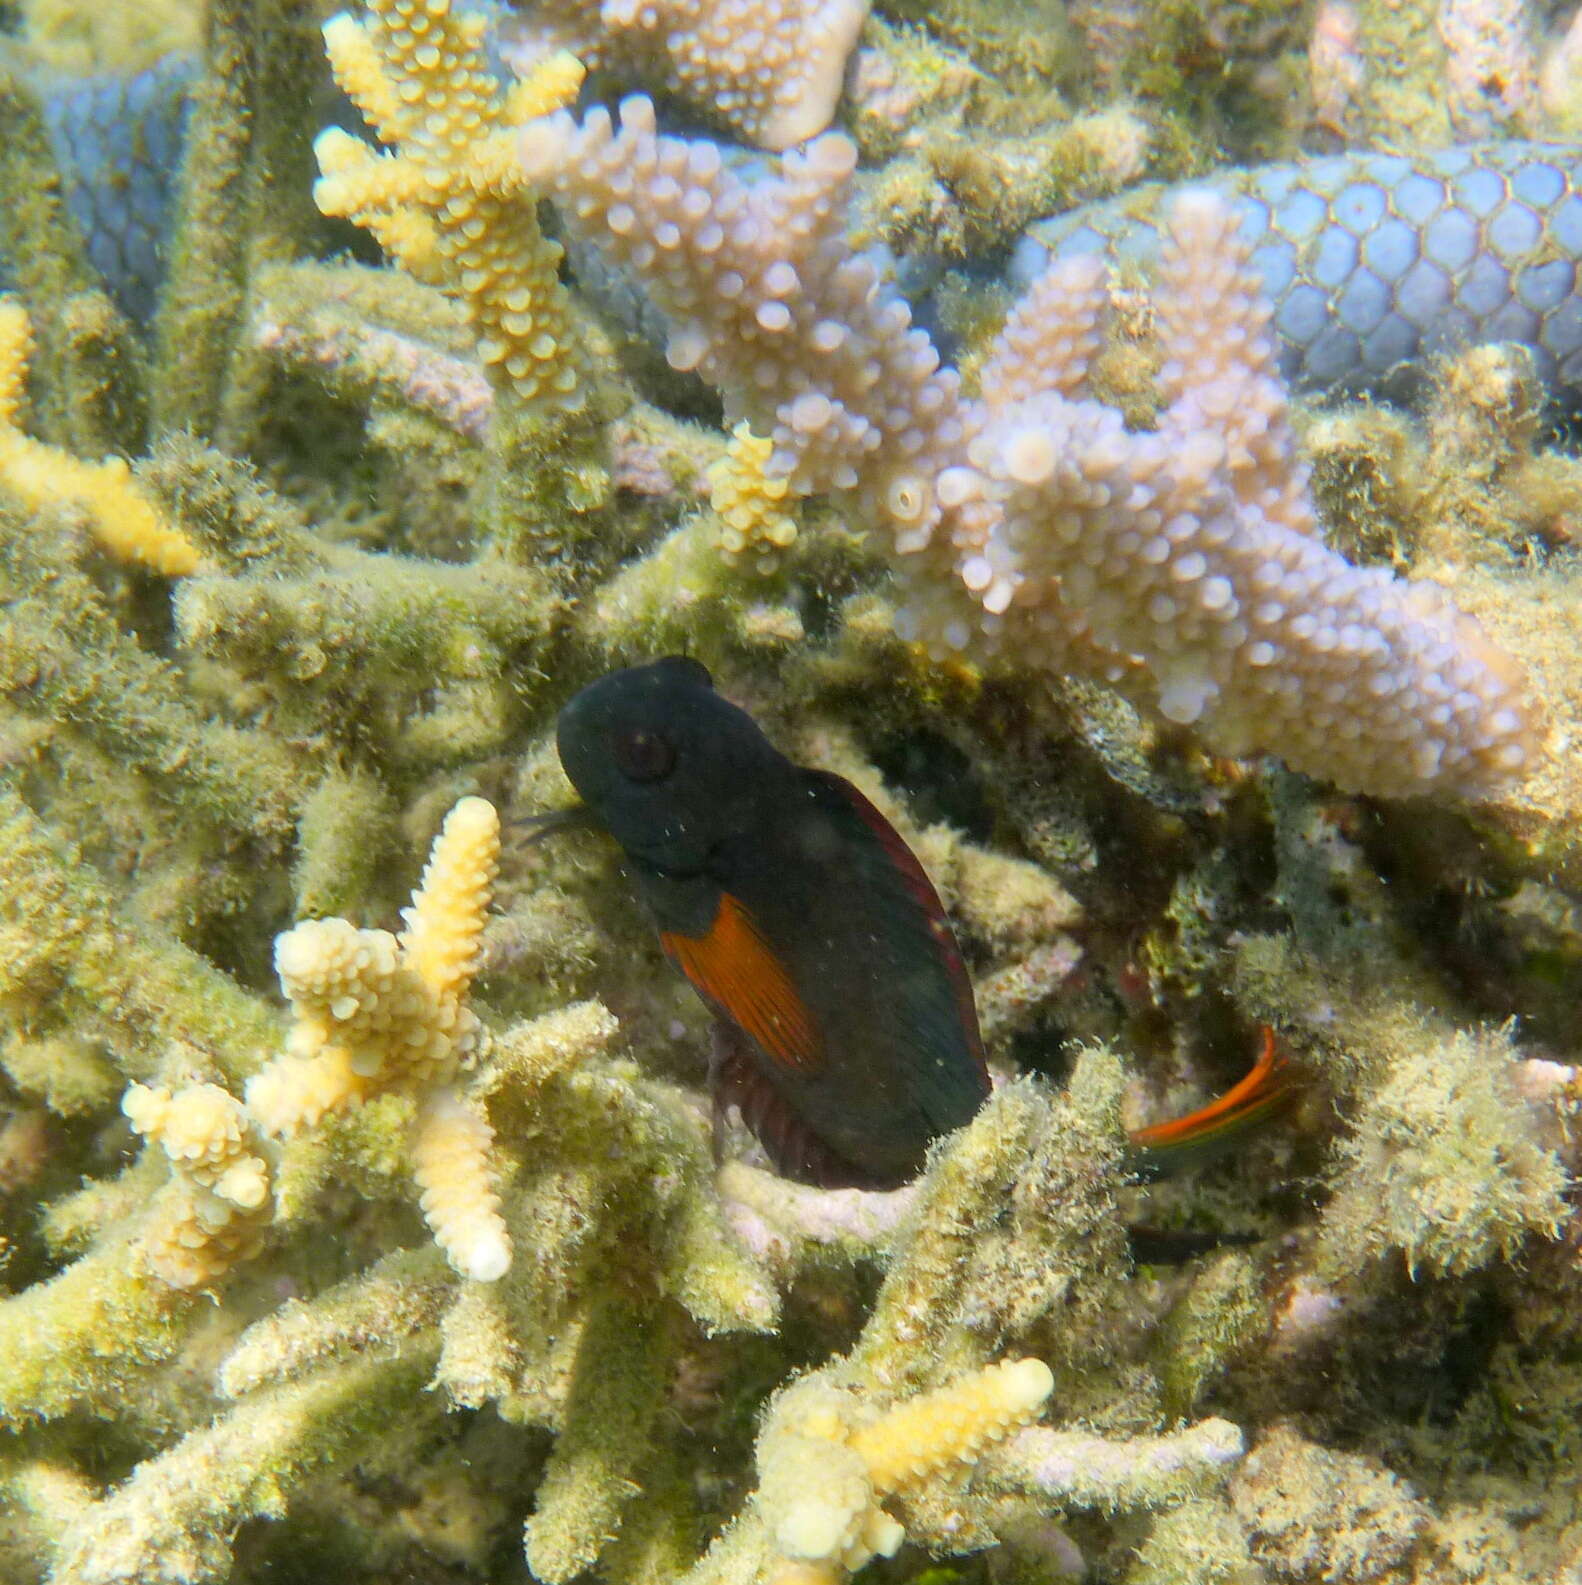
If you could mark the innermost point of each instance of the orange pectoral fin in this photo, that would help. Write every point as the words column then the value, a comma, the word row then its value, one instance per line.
column 1213, row 1129
column 737, row 969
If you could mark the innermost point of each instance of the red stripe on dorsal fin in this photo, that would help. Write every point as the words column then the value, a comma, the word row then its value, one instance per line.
column 914, row 878
column 737, row 969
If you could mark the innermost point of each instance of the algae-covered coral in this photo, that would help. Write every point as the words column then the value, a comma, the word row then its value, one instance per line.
column 363, row 1221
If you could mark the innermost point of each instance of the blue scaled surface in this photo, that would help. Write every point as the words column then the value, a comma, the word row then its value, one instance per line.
column 1377, row 261
column 118, row 142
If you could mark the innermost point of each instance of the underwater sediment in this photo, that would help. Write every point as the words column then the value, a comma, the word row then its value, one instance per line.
column 1136, row 446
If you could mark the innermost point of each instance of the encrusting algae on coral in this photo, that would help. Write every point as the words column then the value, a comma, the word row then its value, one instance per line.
column 419, row 502
column 120, row 515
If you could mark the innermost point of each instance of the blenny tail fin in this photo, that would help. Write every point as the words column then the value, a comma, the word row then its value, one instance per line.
column 1213, row 1130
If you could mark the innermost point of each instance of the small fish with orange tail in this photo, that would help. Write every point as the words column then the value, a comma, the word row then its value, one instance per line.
column 845, row 1028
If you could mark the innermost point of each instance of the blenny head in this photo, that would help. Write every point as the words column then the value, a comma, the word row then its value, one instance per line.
column 659, row 760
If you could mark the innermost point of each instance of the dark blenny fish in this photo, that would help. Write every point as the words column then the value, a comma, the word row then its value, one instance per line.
column 846, row 1030
column 845, row 1025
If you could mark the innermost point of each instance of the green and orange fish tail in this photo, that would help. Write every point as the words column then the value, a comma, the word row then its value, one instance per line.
column 1182, row 1143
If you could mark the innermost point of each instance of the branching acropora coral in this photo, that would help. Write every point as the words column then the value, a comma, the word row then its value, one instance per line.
column 1195, row 547
column 122, row 518
column 750, row 504
column 218, row 1211
column 824, row 1479
column 772, row 69
column 375, row 1011
column 450, row 204
column 1184, row 563
column 1012, row 1233
column 160, row 762
column 326, row 320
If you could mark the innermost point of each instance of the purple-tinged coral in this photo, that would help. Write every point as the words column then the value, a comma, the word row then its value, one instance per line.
column 365, row 358
column 770, row 69
column 1183, row 563
column 767, row 301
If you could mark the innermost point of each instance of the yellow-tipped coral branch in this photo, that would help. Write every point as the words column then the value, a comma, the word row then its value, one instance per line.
column 220, row 1204
column 824, row 1479
column 121, row 517
column 374, row 1012
column 450, row 204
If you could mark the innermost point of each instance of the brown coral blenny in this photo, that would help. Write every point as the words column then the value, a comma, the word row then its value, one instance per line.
column 845, row 1027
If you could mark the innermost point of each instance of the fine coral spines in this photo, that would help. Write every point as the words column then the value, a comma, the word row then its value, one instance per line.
column 355, row 61
column 297, row 1092
column 1051, row 336
column 205, row 1133
column 750, row 504
column 353, row 989
column 1219, row 374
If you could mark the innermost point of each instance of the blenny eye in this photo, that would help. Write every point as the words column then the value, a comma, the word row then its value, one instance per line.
column 643, row 756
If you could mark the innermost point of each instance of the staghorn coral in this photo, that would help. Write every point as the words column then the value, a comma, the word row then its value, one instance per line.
column 118, row 513
column 447, row 204
column 190, row 768
column 769, row 69
column 158, row 1525
column 374, row 1012
column 822, row 1480
column 1032, row 524
column 217, row 1214
column 907, row 1415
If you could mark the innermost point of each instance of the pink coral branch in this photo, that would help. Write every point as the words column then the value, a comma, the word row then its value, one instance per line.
column 1032, row 525
column 366, row 360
